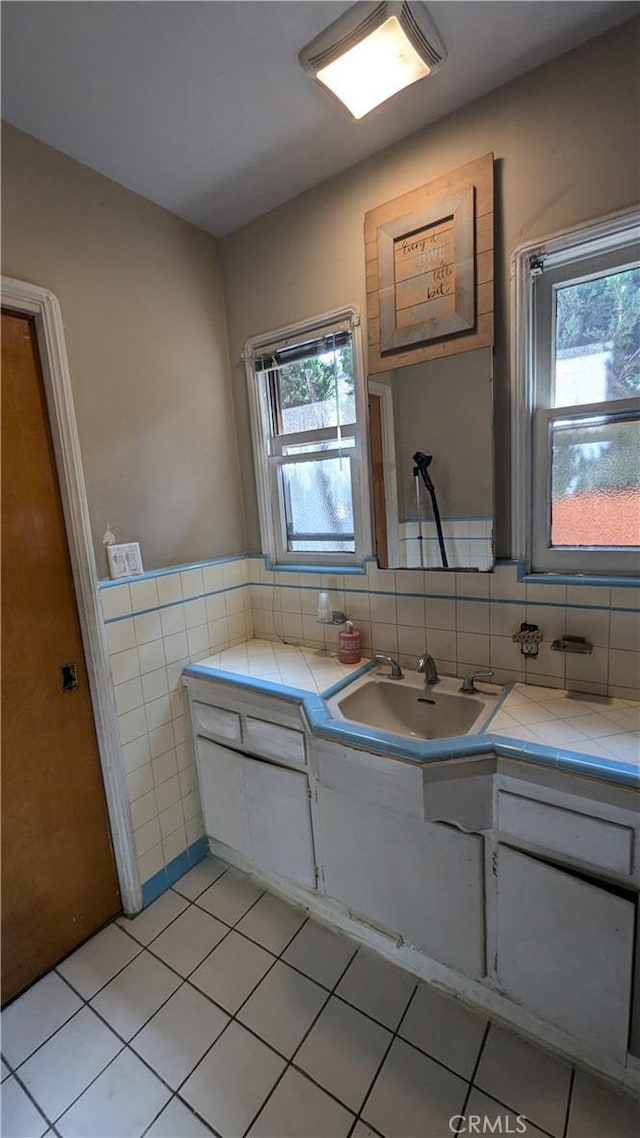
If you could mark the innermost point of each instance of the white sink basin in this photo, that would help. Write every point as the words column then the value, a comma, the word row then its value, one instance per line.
column 408, row 707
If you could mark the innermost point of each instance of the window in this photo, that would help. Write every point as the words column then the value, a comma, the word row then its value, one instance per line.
column 577, row 403
column 306, row 396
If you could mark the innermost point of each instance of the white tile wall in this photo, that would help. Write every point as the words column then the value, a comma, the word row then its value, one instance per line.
column 154, row 627
column 468, row 541
column 465, row 620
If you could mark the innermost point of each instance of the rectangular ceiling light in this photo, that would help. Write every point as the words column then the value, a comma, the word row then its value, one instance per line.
column 372, row 51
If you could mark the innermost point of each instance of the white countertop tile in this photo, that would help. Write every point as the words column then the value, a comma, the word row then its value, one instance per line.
column 584, row 723
column 310, row 669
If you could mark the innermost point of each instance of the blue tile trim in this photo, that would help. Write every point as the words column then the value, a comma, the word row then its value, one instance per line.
column 174, row 604
column 567, row 578
column 338, row 570
column 198, row 851
column 344, row 683
column 325, row 726
column 444, row 597
column 281, row 691
column 481, row 598
column 498, row 707
column 178, row 867
column 109, row 583
column 372, row 592
column 165, row 878
column 154, row 887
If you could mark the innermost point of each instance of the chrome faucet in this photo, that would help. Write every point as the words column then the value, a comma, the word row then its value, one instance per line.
column 468, row 683
column 427, row 665
column 396, row 671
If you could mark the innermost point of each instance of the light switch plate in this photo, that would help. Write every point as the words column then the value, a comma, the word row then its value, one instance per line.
column 125, row 560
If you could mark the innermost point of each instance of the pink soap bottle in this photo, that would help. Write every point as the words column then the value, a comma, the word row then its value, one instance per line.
column 349, row 646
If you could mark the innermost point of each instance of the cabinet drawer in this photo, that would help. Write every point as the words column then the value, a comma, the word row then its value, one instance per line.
column 217, row 722
column 275, row 742
column 566, row 832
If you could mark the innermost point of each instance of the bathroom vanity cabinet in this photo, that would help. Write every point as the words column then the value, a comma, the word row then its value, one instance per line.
column 258, row 807
column 513, row 884
column 420, row 881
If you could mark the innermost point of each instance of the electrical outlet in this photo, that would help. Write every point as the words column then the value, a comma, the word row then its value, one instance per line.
column 125, row 560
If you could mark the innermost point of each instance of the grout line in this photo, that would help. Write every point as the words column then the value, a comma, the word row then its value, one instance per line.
column 514, row 1110
column 187, row 979
column 192, row 900
column 173, row 919
column 565, row 1128
column 470, row 1083
column 290, row 1059
column 185, row 601
column 368, row 1125
column 34, row 1101
column 60, row 1026
column 214, row 1133
column 233, row 1015
column 86, row 1004
column 386, row 1054
column 127, row 1043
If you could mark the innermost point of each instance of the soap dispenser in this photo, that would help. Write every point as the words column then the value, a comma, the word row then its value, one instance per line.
column 349, row 645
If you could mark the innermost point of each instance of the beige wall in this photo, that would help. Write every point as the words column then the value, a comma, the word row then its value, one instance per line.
column 443, row 408
column 566, row 143
column 142, row 302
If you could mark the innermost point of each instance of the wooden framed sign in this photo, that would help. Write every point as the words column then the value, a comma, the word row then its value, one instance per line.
column 426, row 270
column 430, row 269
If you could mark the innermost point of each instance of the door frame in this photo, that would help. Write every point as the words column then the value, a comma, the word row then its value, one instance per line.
column 385, row 394
column 44, row 307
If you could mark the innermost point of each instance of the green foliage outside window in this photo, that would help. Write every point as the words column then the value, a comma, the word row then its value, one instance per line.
column 605, row 311
column 314, row 380
column 601, row 313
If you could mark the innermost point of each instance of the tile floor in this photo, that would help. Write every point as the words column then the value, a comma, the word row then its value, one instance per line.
column 220, row 1010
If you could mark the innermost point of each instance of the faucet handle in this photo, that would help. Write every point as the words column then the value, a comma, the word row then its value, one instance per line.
column 396, row 672
column 468, row 683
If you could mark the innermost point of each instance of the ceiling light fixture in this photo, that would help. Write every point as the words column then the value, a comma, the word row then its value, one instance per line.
column 372, row 51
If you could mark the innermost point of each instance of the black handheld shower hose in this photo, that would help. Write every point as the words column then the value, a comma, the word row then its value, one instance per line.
column 423, row 462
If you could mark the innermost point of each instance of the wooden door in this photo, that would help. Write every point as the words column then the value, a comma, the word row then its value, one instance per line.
column 59, row 880
column 377, row 481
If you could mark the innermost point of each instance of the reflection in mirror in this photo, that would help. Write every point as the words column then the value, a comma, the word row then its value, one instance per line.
column 431, row 445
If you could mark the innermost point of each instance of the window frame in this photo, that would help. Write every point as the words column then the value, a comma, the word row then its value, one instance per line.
column 583, row 252
column 268, row 447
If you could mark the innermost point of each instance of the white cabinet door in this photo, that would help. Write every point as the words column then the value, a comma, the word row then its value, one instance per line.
column 280, row 821
column 565, row 949
column 260, row 810
column 222, row 789
column 421, row 880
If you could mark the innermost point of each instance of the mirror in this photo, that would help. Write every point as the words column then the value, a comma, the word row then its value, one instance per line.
column 431, row 452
